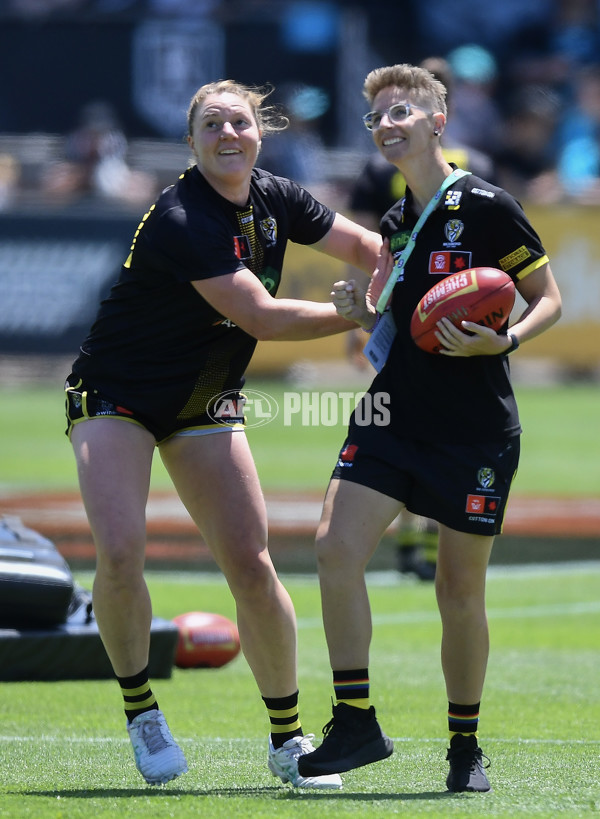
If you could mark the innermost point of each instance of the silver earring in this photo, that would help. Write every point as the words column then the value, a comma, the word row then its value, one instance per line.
column 436, row 132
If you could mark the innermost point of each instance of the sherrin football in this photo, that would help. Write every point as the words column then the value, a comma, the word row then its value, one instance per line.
column 483, row 295
column 205, row 640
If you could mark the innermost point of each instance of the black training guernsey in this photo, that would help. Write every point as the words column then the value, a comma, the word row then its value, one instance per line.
column 439, row 397
column 155, row 338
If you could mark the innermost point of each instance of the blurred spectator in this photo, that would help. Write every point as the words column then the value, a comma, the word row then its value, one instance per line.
column 552, row 50
column 526, row 160
column 476, row 119
column 443, row 25
column 95, row 163
column 579, row 140
column 298, row 152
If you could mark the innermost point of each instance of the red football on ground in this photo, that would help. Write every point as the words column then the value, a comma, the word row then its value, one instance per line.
column 481, row 294
column 205, row 640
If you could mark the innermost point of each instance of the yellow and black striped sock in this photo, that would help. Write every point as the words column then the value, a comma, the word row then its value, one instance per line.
column 463, row 719
column 284, row 718
column 352, row 687
column 137, row 694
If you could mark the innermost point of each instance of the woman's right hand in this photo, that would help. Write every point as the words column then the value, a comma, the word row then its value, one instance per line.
column 350, row 302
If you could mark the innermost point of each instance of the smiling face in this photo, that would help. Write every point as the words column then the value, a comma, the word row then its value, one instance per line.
column 225, row 140
column 414, row 136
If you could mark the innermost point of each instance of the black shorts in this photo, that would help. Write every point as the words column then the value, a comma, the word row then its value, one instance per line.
column 462, row 486
column 83, row 402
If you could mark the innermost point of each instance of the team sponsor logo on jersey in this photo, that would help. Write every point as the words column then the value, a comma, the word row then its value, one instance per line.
column 449, row 261
column 397, row 244
column 266, row 278
column 483, row 505
column 241, row 247
column 452, row 200
column 519, row 255
column 482, row 192
column 269, row 229
column 486, row 477
column 453, row 231
column 399, row 241
column 347, row 455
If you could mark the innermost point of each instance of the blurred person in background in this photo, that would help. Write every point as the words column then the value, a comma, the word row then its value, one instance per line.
column 476, row 119
column 163, row 368
column 299, row 152
column 551, row 51
column 442, row 26
column 526, row 162
column 579, row 140
column 95, row 163
column 379, row 186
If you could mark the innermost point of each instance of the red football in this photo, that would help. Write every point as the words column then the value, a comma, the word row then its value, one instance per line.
column 205, row 640
column 483, row 295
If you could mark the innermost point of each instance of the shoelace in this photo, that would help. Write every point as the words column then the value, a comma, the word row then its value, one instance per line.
column 345, row 726
column 303, row 745
column 477, row 757
column 153, row 738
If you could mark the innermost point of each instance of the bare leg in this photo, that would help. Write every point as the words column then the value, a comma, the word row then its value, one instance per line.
column 113, row 461
column 353, row 521
column 460, row 590
column 216, row 479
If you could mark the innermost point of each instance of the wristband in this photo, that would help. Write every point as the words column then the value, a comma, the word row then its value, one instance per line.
column 374, row 327
column 514, row 344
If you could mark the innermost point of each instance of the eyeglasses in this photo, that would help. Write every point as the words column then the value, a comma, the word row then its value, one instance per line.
column 397, row 113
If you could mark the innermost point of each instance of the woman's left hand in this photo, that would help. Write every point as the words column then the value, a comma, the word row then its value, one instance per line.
column 473, row 339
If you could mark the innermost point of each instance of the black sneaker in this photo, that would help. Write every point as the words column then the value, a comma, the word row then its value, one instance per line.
column 351, row 739
column 466, row 765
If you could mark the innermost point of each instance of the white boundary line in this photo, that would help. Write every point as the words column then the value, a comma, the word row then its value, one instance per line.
column 513, row 613
column 252, row 741
column 384, row 578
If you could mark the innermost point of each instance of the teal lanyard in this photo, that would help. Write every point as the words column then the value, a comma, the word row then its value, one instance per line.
column 403, row 258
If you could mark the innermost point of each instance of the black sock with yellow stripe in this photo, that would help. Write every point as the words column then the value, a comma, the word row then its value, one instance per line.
column 284, row 718
column 352, row 687
column 137, row 694
column 463, row 719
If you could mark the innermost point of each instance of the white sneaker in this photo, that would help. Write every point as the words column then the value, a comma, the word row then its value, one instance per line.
column 283, row 762
column 157, row 756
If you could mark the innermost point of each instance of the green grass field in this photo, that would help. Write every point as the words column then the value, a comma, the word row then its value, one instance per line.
column 560, row 445
column 63, row 747
column 64, row 750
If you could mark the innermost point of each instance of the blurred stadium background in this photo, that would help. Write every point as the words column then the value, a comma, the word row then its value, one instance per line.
column 129, row 67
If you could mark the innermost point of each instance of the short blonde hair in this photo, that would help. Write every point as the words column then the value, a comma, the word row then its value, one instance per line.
column 268, row 118
column 413, row 79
